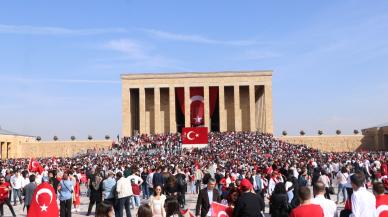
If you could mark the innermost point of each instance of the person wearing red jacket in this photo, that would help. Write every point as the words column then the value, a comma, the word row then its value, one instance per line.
column 136, row 194
column 5, row 187
column 381, row 199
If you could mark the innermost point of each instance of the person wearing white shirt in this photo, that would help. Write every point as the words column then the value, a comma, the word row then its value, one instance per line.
column 26, row 179
column 138, row 179
column 363, row 201
column 342, row 177
column 124, row 192
column 328, row 206
column 16, row 184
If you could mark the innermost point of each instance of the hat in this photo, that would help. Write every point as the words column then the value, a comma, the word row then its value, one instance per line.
column 245, row 184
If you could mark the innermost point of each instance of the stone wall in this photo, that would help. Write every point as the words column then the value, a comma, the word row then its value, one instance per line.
column 335, row 143
column 58, row 148
column 9, row 144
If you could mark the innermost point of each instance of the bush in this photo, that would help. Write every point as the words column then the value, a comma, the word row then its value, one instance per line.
column 338, row 132
column 356, row 132
column 284, row 133
column 55, row 138
column 107, row 137
column 320, row 132
column 38, row 138
column 72, row 138
column 302, row 133
column 90, row 137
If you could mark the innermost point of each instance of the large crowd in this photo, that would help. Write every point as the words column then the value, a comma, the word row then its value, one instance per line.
column 241, row 170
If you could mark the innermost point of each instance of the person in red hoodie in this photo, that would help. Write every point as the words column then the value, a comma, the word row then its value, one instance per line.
column 306, row 208
column 381, row 199
column 136, row 194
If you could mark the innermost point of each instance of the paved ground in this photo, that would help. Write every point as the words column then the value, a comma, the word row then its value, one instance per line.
column 190, row 199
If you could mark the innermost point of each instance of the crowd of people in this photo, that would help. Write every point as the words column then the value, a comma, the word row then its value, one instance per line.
column 240, row 170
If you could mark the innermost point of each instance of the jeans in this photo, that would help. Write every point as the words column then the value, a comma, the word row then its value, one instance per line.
column 150, row 191
column 342, row 189
column 17, row 193
column 65, row 208
column 197, row 186
column 9, row 206
column 123, row 203
column 145, row 189
column 135, row 200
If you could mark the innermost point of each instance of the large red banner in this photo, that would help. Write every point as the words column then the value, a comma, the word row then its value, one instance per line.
column 197, row 107
column 194, row 136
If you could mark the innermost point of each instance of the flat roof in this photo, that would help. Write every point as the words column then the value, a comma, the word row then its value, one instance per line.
column 197, row 74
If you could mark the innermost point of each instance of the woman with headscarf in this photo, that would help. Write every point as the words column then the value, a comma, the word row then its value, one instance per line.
column 249, row 204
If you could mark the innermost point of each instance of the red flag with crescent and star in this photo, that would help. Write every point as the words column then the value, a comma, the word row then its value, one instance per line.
column 197, row 103
column 221, row 210
column 34, row 166
column 194, row 136
column 44, row 202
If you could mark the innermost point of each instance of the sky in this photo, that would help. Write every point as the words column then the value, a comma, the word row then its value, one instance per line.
column 61, row 60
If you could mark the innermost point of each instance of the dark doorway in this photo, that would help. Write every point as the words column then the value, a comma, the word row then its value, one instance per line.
column 215, row 124
column 386, row 141
column 179, row 116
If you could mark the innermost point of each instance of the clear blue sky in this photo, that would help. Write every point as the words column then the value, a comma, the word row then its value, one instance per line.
column 61, row 60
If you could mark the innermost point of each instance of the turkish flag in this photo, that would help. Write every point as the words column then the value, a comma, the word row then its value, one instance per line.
column 221, row 210
column 44, row 202
column 197, row 108
column 194, row 136
column 34, row 166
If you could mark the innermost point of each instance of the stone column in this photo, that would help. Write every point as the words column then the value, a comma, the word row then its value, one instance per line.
column 252, row 110
column 142, row 111
column 206, row 107
column 237, row 110
column 268, row 108
column 157, row 109
column 171, row 98
column 126, row 112
column 187, row 106
column 221, row 100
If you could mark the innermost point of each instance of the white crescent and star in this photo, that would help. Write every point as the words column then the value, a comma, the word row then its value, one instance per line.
column 222, row 213
column 197, row 119
column 196, row 98
column 34, row 164
column 189, row 137
column 44, row 191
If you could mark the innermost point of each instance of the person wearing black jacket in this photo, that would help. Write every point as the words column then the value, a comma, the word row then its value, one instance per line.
column 181, row 187
column 203, row 201
column 249, row 204
column 158, row 179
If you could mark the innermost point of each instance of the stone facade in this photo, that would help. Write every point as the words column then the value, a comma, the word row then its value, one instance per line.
column 59, row 148
column 10, row 144
column 244, row 101
column 335, row 143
